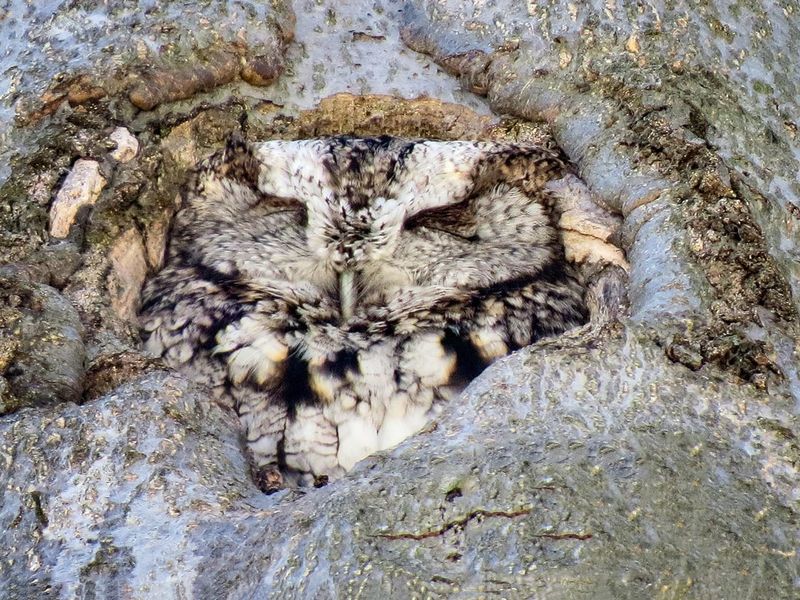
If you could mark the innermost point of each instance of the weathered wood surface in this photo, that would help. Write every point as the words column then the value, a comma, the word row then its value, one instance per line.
column 654, row 457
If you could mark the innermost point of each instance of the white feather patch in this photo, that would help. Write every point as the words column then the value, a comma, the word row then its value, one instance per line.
column 358, row 438
column 396, row 426
column 259, row 360
column 427, row 359
column 489, row 343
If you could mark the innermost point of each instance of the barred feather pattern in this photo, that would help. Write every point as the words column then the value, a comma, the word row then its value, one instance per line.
column 337, row 292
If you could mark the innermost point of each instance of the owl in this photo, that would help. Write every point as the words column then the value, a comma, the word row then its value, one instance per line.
column 338, row 292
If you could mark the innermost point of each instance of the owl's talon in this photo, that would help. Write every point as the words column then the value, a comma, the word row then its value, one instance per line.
column 320, row 481
column 268, row 479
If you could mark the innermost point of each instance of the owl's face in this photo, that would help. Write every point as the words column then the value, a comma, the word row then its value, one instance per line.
column 371, row 227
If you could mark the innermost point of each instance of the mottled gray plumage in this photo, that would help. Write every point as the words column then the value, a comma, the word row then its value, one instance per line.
column 339, row 290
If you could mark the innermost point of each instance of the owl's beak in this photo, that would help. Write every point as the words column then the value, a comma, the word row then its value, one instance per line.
column 347, row 293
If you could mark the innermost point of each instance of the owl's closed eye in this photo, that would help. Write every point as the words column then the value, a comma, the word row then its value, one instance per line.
column 341, row 290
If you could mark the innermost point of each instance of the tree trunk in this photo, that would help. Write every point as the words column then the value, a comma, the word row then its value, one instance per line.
column 651, row 455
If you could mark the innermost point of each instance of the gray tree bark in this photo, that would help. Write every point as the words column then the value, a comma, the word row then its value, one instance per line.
column 654, row 455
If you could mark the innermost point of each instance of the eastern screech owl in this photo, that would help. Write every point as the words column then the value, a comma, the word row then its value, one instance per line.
column 339, row 290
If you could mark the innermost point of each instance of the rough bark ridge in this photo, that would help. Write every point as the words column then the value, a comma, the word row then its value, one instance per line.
column 656, row 456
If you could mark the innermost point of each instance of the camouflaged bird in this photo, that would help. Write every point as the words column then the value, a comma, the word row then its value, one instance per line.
column 339, row 291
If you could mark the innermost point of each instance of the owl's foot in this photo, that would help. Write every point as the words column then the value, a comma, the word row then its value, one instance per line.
column 268, row 478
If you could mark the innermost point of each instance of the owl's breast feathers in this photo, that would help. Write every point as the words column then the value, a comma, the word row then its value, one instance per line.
column 370, row 277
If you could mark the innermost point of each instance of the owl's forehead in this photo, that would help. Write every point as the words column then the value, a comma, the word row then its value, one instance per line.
column 360, row 209
column 364, row 178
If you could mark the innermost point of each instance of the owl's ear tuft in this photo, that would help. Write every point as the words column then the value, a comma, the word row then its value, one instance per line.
column 239, row 161
column 235, row 144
